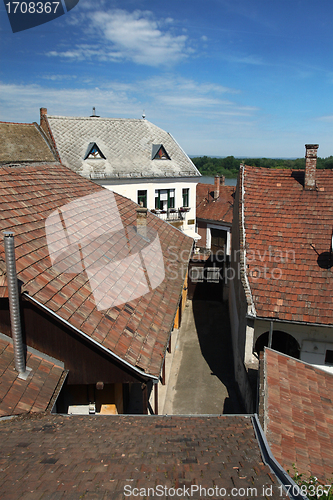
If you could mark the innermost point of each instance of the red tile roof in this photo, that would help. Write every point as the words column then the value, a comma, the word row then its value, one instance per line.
column 97, row 457
column 137, row 327
column 299, row 415
column 19, row 396
column 218, row 210
column 287, row 239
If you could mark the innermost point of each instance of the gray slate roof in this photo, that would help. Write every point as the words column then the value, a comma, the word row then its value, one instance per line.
column 23, row 142
column 127, row 145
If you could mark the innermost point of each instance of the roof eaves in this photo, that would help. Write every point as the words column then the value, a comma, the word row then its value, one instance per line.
column 195, row 168
column 242, row 244
column 291, row 488
column 142, row 374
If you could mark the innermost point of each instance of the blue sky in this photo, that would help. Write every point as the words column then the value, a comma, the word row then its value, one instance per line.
column 224, row 77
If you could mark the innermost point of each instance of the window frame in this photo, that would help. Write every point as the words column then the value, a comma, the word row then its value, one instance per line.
column 145, row 197
column 170, row 199
column 186, row 197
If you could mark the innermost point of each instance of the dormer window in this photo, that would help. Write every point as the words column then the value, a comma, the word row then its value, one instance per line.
column 94, row 153
column 159, row 152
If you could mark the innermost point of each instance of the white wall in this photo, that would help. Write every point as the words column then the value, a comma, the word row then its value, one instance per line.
column 313, row 340
column 129, row 188
column 209, row 236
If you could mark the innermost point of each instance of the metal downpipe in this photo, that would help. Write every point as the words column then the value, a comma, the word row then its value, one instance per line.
column 14, row 304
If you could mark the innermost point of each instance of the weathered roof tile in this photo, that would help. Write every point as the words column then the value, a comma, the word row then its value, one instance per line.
column 125, row 143
column 103, row 455
column 34, row 394
column 299, row 414
column 65, row 289
column 218, row 210
column 292, row 242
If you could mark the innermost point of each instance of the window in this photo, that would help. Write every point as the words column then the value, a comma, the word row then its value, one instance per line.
column 329, row 357
column 93, row 152
column 197, row 274
column 186, row 192
column 142, row 197
column 218, row 240
column 159, row 152
column 213, row 275
column 164, row 199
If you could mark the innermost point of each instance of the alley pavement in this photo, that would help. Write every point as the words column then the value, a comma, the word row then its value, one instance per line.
column 201, row 379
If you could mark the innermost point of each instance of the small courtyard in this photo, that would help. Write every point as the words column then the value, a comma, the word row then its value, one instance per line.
column 201, row 378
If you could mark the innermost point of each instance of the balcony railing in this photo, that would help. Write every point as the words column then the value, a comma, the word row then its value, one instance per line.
column 171, row 214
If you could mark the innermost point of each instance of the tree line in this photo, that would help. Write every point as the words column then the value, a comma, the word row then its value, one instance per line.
column 229, row 166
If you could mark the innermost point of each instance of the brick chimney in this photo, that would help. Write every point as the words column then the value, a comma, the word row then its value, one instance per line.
column 42, row 113
column 222, row 180
column 310, row 166
column 141, row 221
column 216, row 187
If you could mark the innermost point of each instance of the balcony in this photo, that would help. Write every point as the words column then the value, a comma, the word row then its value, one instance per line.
column 171, row 214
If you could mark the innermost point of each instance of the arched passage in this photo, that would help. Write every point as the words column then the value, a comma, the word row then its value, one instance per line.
column 281, row 341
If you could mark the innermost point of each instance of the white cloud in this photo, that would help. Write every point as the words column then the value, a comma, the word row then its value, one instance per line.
column 176, row 104
column 328, row 118
column 22, row 102
column 244, row 59
column 139, row 37
column 58, row 78
column 135, row 36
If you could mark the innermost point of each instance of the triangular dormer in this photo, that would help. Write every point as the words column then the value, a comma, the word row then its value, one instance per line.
column 159, row 152
column 94, row 153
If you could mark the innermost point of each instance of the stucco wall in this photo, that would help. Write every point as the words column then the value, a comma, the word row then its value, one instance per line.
column 129, row 188
column 238, row 310
column 313, row 340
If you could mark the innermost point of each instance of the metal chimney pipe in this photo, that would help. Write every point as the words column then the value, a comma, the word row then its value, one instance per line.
column 14, row 305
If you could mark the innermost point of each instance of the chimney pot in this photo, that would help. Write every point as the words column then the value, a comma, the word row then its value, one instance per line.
column 310, row 166
column 94, row 113
column 216, row 187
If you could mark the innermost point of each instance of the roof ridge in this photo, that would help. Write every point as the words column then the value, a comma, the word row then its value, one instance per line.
column 96, row 118
column 17, row 123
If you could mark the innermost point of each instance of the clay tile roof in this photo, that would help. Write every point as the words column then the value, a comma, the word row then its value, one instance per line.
column 298, row 410
column 79, row 255
column 19, row 396
column 112, row 457
column 23, row 142
column 218, row 210
column 127, row 145
column 288, row 238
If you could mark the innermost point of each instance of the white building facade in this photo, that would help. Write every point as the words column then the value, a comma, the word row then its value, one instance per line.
column 134, row 158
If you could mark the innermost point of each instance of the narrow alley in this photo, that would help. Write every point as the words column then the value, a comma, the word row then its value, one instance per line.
column 201, row 379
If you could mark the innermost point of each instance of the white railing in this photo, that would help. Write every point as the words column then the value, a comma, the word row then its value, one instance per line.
column 171, row 214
